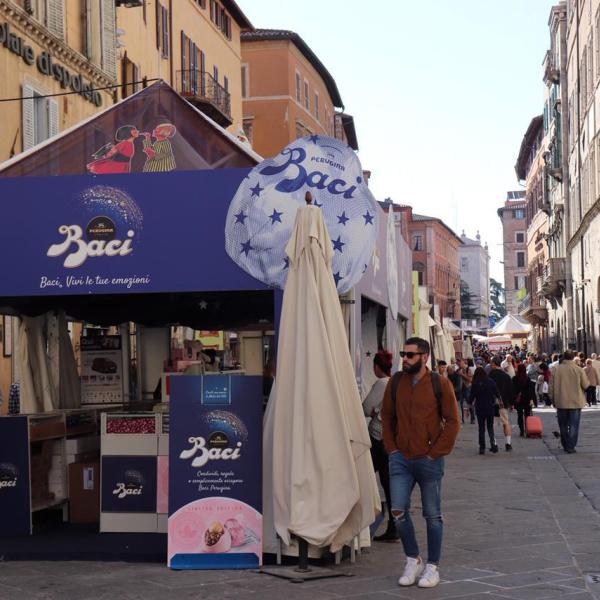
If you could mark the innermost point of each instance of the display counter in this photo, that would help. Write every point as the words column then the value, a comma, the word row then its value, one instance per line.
column 36, row 451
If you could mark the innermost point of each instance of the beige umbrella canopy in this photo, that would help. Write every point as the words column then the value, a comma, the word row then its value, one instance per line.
column 324, row 487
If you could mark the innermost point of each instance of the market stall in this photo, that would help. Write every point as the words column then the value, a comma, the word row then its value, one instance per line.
column 152, row 251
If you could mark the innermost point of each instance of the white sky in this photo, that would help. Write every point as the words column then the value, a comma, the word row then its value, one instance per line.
column 441, row 91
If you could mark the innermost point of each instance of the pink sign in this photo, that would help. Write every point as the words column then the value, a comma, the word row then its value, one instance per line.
column 215, row 526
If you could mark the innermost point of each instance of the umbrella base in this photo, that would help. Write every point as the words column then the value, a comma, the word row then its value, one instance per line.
column 296, row 575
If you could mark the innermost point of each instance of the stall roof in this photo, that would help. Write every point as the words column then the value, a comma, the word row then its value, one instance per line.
column 197, row 142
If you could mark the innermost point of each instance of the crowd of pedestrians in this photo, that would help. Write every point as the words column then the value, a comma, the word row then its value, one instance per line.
column 416, row 414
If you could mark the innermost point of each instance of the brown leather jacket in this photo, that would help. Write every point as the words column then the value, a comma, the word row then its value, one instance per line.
column 414, row 427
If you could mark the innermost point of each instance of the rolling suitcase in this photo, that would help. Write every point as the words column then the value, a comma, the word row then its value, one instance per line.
column 533, row 427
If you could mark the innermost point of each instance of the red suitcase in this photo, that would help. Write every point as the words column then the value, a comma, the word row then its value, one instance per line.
column 533, row 427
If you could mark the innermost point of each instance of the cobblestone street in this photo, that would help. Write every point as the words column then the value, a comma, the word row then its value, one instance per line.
column 523, row 525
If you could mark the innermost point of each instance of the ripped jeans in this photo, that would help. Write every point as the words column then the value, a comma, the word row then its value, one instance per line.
column 404, row 474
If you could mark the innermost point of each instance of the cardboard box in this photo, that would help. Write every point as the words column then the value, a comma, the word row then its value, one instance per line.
column 84, row 492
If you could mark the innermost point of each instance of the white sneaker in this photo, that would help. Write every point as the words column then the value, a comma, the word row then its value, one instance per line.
column 414, row 567
column 431, row 577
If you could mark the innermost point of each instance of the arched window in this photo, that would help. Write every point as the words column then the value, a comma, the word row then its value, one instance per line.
column 419, row 267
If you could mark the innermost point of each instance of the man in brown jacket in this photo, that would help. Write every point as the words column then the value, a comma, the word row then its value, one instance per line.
column 419, row 429
column 567, row 390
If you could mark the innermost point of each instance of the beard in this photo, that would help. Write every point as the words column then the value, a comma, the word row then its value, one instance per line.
column 411, row 369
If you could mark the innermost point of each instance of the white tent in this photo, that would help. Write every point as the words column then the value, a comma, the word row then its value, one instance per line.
column 511, row 325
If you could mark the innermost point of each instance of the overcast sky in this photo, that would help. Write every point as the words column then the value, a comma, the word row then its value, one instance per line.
column 442, row 92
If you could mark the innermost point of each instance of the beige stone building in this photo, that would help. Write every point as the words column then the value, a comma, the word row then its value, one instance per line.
column 53, row 47
column 514, row 239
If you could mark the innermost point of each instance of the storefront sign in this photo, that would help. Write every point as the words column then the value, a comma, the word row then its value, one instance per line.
column 15, row 497
column 215, row 472
column 101, row 370
column 127, row 234
column 67, row 80
column 129, row 484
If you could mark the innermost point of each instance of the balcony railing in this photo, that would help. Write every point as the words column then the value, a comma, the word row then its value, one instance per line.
column 553, row 277
column 524, row 305
column 201, row 89
column 551, row 70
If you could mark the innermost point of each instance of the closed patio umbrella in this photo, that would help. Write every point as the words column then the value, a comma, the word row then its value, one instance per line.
column 324, row 487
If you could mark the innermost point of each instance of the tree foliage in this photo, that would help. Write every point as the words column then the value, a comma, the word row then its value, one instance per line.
column 468, row 304
column 498, row 306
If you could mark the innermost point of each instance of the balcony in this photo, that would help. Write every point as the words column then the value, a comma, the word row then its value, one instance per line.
column 551, row 70
column 553, row 278
column 531, row 308
column 200, row 89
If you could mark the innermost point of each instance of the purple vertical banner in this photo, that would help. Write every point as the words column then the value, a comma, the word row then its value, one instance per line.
column 215, row 472
column 15, row 493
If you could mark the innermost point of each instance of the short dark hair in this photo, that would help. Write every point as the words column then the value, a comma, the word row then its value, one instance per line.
column 420, row 343
column 567, row 355
column 442, row 363
column 479, row 375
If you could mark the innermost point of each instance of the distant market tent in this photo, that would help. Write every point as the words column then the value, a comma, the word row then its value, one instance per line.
column 511, row 325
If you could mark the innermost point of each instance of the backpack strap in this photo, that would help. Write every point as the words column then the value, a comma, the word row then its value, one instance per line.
column 437, row 391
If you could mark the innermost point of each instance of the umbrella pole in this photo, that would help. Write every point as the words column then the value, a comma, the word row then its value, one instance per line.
column 302, row 556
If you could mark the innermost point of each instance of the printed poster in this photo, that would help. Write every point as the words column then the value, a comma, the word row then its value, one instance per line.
column 101, row 370
column 215, row 472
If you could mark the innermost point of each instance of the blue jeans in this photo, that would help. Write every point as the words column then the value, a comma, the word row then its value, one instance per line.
column 404, row 474
column 568, row 423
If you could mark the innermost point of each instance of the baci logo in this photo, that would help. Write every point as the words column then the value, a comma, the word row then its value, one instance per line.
column 132, row 486
column 217, row 448
column 127, row 489
column 314, row 179
column 9, row 475
column 101, row 241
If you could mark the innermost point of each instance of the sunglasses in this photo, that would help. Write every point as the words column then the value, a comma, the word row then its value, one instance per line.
column 410, row 354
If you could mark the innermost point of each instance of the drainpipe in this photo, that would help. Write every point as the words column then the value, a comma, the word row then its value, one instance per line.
column 173, row 83
column 580, row 319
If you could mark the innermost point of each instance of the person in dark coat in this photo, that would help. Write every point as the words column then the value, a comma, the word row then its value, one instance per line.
column 524, row 396
column 505, row 386
column 485, row 397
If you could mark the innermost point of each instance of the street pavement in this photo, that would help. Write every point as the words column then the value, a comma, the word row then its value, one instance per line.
column 523, row 525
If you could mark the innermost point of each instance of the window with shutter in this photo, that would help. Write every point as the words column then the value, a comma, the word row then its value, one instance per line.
column 53, row 125
column 184, row 64
column 28, row 118
column 109, row 54
column 55, row 17
column 158, row 25
column 165, row 32
column 194, row 66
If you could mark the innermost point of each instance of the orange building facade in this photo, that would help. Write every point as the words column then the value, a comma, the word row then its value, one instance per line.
column 288, row 93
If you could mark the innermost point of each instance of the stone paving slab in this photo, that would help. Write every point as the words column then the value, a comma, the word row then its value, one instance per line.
column 523, row 525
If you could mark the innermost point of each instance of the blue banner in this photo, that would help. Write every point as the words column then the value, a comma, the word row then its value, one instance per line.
column 150, row 232
column 15, row 494
column 215, row 472
column 129, row 484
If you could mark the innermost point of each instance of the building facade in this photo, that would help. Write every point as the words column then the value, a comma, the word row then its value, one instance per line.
column 582, row 202
column 475, row 273
column 193, row 45
column 556, row 281
column 288, row 93
column 51, row 48
column 532, row 169
column 514, row 242
column 435, row 259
